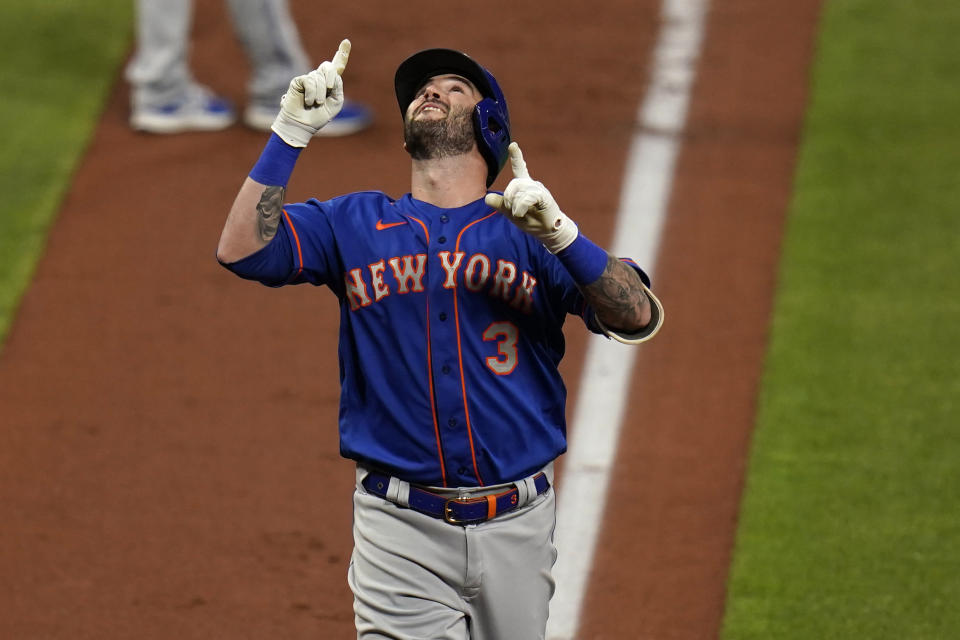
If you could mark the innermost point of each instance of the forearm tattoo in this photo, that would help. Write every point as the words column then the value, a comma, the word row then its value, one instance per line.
column 618, row 297
column 268, row 212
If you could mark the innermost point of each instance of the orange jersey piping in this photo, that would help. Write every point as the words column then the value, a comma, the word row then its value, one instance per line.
column 433, row 402
column 296, row 238
column 463, row 382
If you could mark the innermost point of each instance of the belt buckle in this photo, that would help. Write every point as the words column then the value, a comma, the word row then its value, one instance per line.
column 448, row 515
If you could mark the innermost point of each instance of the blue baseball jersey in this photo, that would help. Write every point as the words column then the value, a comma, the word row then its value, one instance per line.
column 450, row 333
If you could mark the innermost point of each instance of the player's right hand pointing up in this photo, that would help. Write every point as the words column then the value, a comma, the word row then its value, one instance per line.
column 312, row 100
column 531, row 206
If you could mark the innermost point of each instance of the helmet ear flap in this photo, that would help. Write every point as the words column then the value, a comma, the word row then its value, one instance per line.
column 492, row 127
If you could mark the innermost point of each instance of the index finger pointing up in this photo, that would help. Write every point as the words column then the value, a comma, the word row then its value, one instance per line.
column 340, row 59
column 517, row 163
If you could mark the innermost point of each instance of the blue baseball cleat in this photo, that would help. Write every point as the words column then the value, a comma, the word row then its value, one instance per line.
column 199, row 110
column 353, row 117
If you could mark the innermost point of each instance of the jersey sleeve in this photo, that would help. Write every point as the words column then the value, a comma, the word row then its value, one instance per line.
column 271, row 265
column 303, row 250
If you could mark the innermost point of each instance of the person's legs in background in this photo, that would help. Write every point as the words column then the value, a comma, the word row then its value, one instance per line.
column 165, row 98
column 270, row 39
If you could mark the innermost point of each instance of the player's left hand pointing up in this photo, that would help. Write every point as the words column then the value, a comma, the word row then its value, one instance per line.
column 312, row 100
column 531, row 206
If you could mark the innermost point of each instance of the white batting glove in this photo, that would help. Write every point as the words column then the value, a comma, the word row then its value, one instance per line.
column 530, row 206
column 312, row 100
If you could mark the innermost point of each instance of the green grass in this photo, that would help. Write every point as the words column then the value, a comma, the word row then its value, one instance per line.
column 850, row 523
column 59, row 59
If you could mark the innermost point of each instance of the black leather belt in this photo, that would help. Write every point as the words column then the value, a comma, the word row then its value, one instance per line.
column 462, row 511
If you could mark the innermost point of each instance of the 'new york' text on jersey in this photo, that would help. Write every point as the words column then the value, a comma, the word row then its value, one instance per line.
column 450, row 333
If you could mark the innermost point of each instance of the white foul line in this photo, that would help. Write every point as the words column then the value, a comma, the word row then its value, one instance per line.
column 595, row 428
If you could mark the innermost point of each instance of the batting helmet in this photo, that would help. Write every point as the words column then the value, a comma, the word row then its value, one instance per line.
column 490, row 117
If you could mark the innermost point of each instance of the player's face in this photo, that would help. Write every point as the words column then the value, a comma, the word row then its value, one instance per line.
column 439, row 121
column 440, row 94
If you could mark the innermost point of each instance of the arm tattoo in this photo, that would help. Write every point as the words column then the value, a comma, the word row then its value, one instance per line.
column 268, row 213
column 618, row 296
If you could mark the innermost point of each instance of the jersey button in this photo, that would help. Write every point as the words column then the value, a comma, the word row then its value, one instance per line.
column 444, row 218
column 452, row 422
column 445, row 369
column 442, row 239
column 462, row 471
column 443, row 316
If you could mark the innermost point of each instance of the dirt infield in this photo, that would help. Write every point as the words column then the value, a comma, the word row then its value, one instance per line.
column 168, row 455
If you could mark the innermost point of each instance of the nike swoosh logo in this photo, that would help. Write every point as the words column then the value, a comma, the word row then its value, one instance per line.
column 381, row 226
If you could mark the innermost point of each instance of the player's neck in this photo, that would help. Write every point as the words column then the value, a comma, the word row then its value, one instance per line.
column 449, row 182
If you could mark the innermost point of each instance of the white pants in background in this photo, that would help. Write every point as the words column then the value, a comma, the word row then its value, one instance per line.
column 159, row 71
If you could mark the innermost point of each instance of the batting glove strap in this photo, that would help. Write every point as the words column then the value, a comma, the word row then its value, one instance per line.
column 564, row 233
column 294, row 133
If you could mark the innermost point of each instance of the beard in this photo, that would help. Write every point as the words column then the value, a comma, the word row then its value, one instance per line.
column 430, row 139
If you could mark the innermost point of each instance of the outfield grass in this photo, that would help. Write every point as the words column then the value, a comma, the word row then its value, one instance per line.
column 59, row 59
column 850, row 524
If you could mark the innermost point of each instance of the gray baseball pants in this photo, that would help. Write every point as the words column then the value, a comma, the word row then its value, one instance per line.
column 418, row 577
column 159, row 70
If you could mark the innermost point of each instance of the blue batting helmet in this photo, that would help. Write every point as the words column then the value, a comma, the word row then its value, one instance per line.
column 490, row 117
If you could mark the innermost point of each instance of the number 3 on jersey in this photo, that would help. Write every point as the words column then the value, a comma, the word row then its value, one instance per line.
column 506, row 335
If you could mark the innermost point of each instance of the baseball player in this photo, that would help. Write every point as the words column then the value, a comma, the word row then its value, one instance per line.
column 452, row 302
